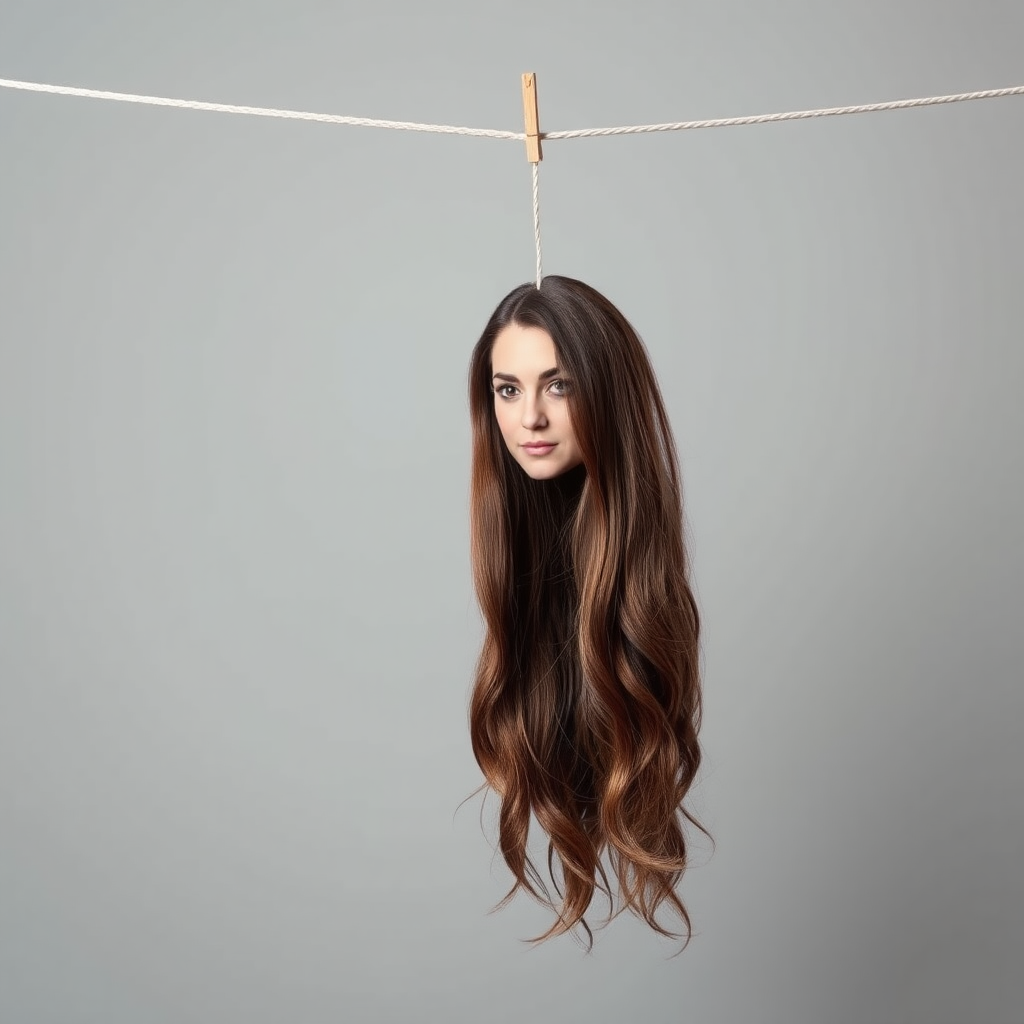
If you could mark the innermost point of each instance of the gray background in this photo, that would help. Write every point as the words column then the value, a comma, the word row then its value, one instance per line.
column 236, row 619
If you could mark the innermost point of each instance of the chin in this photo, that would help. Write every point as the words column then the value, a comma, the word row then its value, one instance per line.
column 541, row 470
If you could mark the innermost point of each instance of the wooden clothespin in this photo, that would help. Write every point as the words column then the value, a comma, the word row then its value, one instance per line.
column 533, row 153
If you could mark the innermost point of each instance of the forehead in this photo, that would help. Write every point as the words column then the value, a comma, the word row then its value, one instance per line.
column 523, row 351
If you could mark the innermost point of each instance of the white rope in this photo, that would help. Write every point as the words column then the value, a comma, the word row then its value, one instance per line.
column 301, row 115
column 366, row 122
column 536, row 216
column 793, row 115
column 227, row 108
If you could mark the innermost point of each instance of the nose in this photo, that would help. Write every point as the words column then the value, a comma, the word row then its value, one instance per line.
column 533, row 413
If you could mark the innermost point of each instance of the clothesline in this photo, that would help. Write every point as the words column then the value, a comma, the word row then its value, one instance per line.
column 365, row 122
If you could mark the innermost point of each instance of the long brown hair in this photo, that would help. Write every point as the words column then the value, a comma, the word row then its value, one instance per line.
column 586, row 701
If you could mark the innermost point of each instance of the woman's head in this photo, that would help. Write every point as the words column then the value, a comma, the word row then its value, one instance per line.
column 586, row 700
column 596, row 405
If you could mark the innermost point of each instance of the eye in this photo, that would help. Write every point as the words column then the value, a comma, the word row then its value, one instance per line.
column 502, row 389
column 562, row 386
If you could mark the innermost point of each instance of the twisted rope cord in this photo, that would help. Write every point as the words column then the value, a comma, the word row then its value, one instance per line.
column 301, row 115
column 227, row 108
column 536, row 216
column 792, row 115
column 366, row 122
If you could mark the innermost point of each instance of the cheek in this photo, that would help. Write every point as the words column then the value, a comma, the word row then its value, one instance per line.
column 565, row 422
column 505, row 424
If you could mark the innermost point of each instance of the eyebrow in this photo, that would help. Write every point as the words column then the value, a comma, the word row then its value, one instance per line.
column 515, row 380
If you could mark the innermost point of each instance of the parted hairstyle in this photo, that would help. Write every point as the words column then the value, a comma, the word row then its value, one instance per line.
column 586, row 701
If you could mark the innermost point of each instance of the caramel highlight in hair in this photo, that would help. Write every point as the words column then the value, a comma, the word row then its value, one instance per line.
column 586, row 701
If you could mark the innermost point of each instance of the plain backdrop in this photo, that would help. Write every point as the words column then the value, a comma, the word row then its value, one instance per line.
column 237, row 627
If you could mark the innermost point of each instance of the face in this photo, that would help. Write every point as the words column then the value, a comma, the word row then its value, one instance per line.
column 531, row 402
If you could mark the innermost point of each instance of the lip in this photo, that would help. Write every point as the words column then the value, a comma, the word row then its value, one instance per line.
column 535, row 448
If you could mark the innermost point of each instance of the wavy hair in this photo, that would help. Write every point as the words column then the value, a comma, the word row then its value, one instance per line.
column 586, row 701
